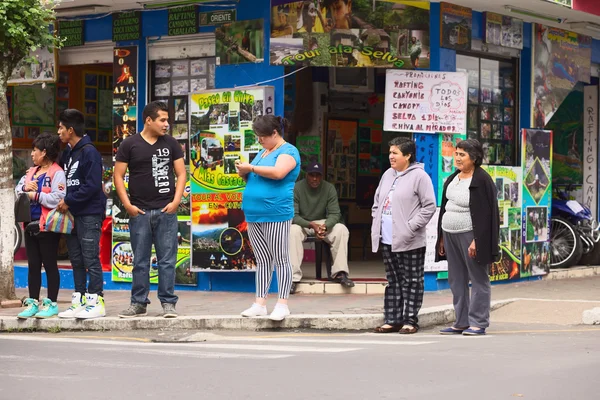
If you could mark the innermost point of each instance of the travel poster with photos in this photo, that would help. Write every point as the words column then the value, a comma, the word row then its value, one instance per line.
column 508, row 181
column 221, row 133
column 358, row 33
column 122, row 252
column 537, row 201
column 446, row 166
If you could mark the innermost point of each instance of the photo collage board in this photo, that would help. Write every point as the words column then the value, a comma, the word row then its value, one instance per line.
column 491, row 110
column 341, row 156
column 508, row 181
column 537, row 201
column 220, row 134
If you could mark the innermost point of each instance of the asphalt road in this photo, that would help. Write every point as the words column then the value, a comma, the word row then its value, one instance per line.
column 532, row 362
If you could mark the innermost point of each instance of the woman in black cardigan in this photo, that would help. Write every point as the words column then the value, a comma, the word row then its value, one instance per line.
column 468, row 231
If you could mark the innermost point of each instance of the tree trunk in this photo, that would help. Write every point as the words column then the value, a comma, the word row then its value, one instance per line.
column 7, row 199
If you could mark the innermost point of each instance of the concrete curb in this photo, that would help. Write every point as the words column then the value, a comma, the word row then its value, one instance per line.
column 351, row 322
column 573, row 272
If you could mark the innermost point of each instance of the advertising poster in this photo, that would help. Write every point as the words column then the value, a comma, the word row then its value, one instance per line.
column 125, row 71
column 561, row 60
column 512, row 33
column 220, row 134
column 567, row 126
column 456, row 26
column 350, row 33
column 425, row 102
column 508, row 182
column 240, row 42
column 42, row 70
column 537, row 200
column 122, row 259
column 33, row 105
column 493, row 28
column 446, row 167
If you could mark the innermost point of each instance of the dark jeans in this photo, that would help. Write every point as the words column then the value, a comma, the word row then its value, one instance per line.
column 42, row 249
column 84, row 252
column 158, row 228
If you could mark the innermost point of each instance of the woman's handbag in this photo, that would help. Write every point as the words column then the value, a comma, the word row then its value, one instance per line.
column 59, row 222
column 33, row 228
column 22, row 208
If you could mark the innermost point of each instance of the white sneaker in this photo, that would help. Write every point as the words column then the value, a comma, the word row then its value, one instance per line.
column 94, row 308
column 255, row 311
column 279, row 312
column 77, row 304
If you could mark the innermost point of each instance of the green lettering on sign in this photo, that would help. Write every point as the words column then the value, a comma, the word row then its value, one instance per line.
column 183, row 21
column 126, row 26
column 216, row 17
column 72, row 32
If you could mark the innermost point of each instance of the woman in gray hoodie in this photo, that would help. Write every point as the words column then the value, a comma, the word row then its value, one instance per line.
column 403, row 205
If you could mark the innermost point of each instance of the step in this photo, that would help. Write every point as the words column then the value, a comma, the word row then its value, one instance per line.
column 314, row 286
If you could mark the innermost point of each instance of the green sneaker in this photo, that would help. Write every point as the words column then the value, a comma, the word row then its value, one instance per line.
column 31, row 310
column 49, row 309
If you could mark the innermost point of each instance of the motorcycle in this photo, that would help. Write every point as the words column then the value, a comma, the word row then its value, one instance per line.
column 574, row 233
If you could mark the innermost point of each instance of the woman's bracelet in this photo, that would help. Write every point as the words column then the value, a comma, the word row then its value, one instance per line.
column 253, row 169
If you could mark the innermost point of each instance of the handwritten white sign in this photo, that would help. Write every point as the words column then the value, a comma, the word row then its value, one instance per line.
column 590, row 149
column 427, row 102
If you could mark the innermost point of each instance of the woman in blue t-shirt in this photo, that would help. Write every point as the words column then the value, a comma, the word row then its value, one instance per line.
column 268, row 204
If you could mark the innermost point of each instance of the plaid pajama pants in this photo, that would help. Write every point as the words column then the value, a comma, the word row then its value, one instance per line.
column 405, row 289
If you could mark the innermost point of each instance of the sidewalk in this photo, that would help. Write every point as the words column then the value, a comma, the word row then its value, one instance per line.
column 547, row 301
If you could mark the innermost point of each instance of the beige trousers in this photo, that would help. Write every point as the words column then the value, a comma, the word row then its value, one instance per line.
column 337, row 239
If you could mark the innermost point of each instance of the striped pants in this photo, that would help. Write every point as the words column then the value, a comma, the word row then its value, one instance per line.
column 270, row 243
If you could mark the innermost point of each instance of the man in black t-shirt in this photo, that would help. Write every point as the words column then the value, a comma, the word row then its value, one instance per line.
column 154, row 195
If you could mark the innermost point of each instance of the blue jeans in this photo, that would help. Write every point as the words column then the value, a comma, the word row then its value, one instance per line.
column 84, row 253
column 158, row 228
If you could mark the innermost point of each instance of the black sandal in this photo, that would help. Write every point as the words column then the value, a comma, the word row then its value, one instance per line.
column 408, row 329
column 391, row 329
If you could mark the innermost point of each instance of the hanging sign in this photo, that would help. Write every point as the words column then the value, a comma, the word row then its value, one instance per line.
column 183, row 20
column 72, row 32
column 427, row 102
column 590, row 149
column 216, row 17
column 126, row 26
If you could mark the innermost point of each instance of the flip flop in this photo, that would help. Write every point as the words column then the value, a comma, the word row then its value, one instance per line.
column 391, row 329
column 408, row 330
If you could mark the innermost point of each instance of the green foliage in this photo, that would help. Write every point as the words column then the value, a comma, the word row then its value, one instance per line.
column 25, row 25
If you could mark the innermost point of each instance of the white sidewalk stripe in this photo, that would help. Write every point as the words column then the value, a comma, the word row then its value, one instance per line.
column 335, row 341
column 197, row 346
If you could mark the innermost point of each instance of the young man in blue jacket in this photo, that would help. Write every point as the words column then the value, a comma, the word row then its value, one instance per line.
column 86, row 200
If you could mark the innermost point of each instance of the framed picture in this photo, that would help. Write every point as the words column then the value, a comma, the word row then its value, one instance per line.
column 43, row 70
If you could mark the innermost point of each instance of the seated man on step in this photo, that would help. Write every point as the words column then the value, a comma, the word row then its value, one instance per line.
column 317, row 212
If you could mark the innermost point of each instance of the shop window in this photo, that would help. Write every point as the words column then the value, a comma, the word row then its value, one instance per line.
column 171, row 81
column 97, row 106
column 492, row 106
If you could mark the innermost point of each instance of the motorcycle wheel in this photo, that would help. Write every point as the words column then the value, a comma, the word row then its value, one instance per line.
column 565, row 245
column 591, row 258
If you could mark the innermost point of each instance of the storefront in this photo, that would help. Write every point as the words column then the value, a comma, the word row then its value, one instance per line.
column 333, row 91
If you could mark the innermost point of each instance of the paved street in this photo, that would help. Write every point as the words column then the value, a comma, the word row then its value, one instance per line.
column 532, row 361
